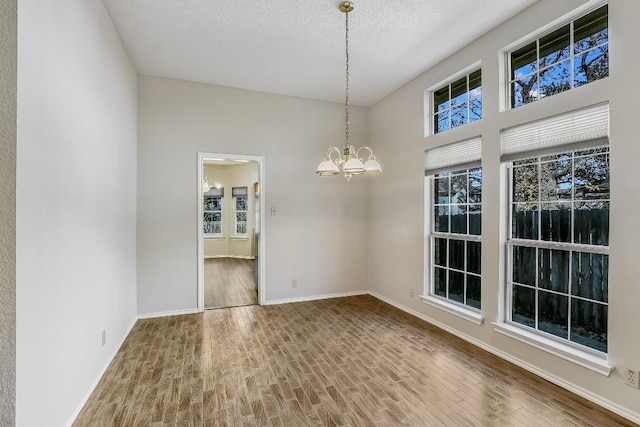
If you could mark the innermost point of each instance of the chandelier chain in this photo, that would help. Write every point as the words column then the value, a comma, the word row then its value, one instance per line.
column 346, row 100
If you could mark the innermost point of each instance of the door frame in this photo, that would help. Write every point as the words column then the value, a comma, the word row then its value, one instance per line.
column 202, row 158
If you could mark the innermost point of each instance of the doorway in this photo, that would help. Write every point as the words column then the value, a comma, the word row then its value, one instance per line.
column 230, row 232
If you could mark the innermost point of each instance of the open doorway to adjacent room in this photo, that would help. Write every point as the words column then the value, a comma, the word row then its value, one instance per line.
column 231, row 236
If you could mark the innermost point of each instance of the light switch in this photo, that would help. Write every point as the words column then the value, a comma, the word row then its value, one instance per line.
column 273, row 210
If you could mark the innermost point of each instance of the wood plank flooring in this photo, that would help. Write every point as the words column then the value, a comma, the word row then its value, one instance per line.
column 229, row 282
column 352, row 361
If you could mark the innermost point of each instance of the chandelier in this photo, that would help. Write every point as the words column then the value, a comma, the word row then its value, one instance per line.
column 348, row 161
column 207, row 185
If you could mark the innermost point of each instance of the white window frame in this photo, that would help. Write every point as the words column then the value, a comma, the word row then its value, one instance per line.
column 535, row 37
column 237, row 223
column 449, row 109
column 221, row 233
column 459, row 309
column 582, row 355
column 429, row 105
column 579, row 129
column 538, row 243
column 441, row 159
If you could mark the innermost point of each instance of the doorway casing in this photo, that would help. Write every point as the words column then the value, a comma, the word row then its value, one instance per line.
column 202, row 158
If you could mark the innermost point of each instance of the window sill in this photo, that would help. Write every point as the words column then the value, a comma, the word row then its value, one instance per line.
column 239, row 238
column 213, row 237
column 574, row 355
column 467, row 314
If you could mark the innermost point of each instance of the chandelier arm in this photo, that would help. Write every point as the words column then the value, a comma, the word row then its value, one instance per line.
column 334, row 150
column 364, row 148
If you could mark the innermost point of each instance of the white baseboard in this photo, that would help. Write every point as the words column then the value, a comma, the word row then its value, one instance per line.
column 168, row 313
column 93, row 386
column 315, row 297
column 613, row 407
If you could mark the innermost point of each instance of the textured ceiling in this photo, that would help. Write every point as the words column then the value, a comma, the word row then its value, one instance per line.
column 297, row 47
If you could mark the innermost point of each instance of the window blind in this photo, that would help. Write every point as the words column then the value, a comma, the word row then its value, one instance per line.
column 215, row 192
column 462, row 155
column 239, row 191
column 583, row 128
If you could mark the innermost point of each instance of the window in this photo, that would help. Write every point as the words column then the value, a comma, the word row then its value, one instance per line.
column 556, row 287
column 453, row 187
column 212, row 221
column 458, row 103
column 455, row 236
column 240, row 210
column 570, row 56
column 559, row 246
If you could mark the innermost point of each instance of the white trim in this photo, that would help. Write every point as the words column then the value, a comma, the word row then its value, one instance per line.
column 605, row 403
column 465, row 71
column 566, row 19
column 169, row 313
column 428, row 96
column 466, row 237
column 560, row 346
column 214, row 237
column 574, row 355
column 315, row 297
column 428, row 296
column 229, row 256
column 576, row 13
column 563, row 246
column 201, row 158
column 432, row 321
column 93, row 386
column 426, row 233
column 455, row 309
column 239, row 237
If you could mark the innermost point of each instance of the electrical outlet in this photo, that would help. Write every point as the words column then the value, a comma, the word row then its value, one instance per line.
column 411, row 293
column 104, row 337
column 631, row 378
column 294, row 283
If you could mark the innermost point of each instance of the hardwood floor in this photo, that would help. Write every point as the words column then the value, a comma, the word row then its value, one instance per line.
column 229, row 282
column 352, row 361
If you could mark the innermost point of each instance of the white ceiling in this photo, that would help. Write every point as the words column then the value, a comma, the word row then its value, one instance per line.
column 297, row 47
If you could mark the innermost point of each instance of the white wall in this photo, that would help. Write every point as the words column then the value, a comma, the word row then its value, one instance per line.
column 76, row 195
column 397, row 230
column 229, row 176
column 316, row 236
column 8, row 63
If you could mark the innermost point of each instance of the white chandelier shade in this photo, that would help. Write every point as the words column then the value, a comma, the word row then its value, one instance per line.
column 350, row 162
